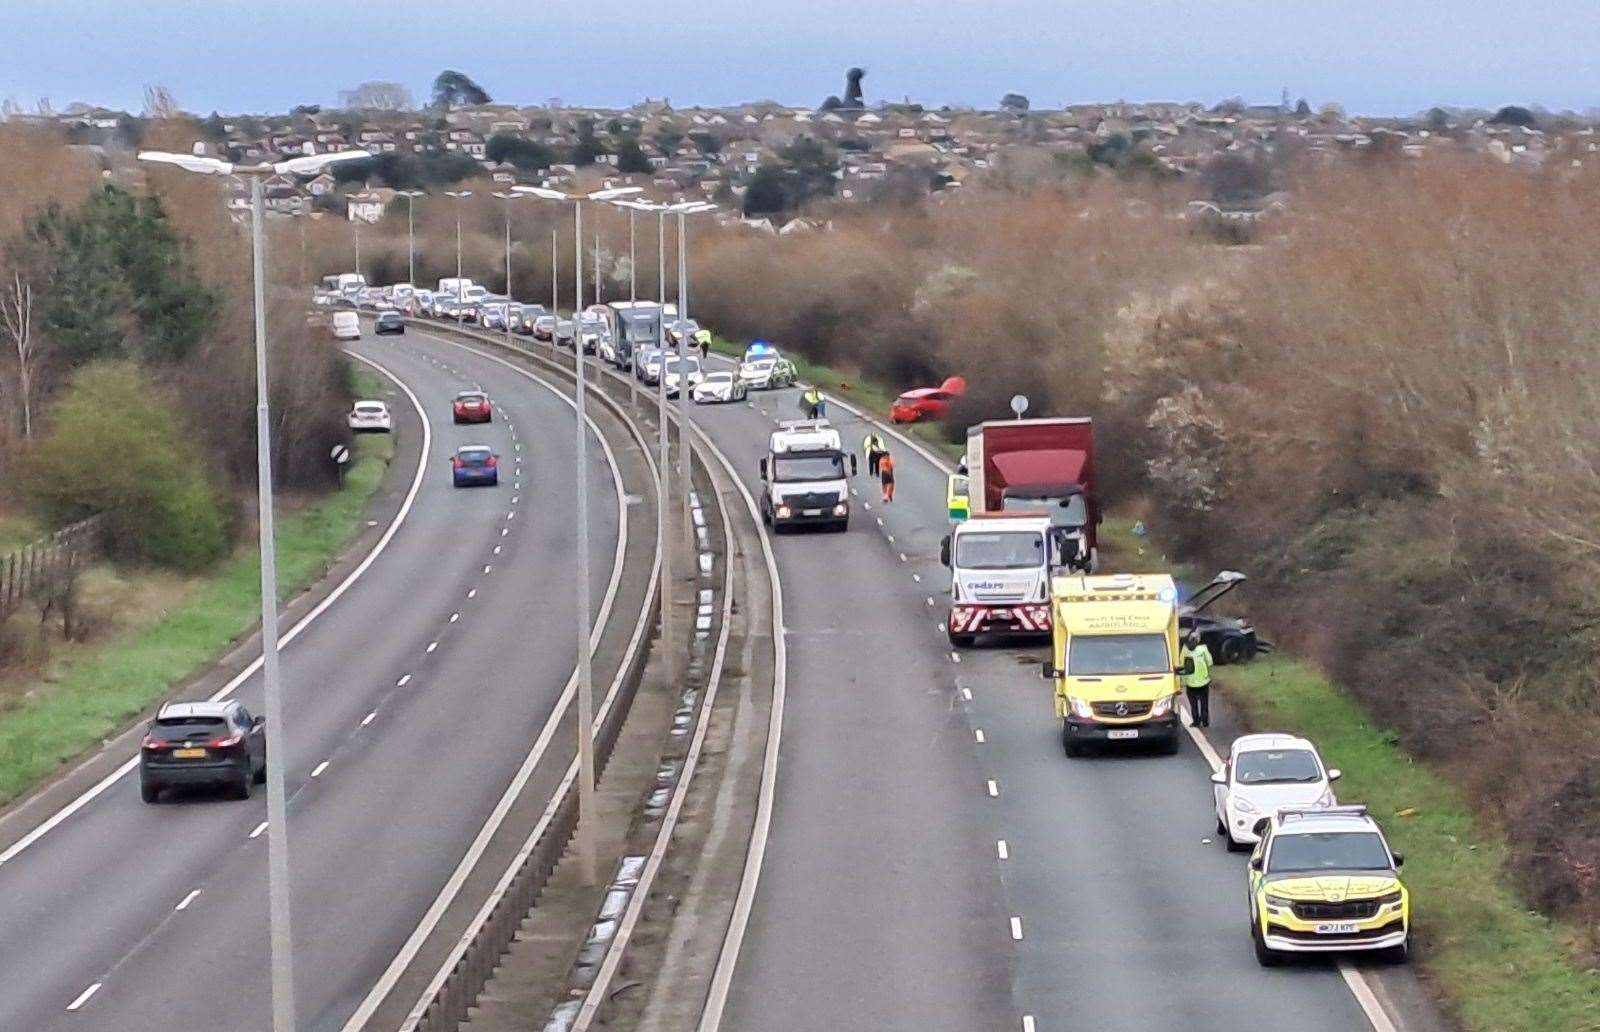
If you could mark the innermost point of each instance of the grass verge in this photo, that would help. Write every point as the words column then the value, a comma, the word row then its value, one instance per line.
column 91, row 699
column 1498, row 966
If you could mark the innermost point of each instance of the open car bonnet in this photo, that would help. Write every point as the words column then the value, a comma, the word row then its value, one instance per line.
column 1220, row 585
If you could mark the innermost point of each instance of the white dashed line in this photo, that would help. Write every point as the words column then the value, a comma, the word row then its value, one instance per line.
column 880, row 518
column 955, row 657
column 496, row 549
column 454, row 617
column 994, row 787
column 930, row 600
column 184, row 903
column 83, row 997
column 1027, row 1023
column 939, row 627
column 432, row 645
column 891, row 539
column 966, row 694
column 1016, row 929
column 487, row 567
column 473, row 593
column 259, row 829
column 515, row 499
column 316, row 771
column 511, row 515
column 902, row 557
column 977, row 733
column 1003, row 849
column 369, row 718
column 403, row 681
column 504, row 531
column 917, row 577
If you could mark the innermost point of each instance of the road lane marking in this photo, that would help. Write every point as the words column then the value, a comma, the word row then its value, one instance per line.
column 487, row 567
column 977, row 733
column 915, row 576
column 966, row 694
column 939, row 627
column 1027, row 1023
column 83, row 997
column 902, row 557
column 1016, row 929
column 994, row 787
column 369, row 718
column 184, row 903
column 316, row 771
column 891, row 539
column 403, row 681
column 456, row 616
column 955, row 657
column 1366, row 998
column 100, row 787
column 1003, row 849
column 515, row 499
column 504, row 531
column 259, row 829
column 497, row 549
column 473, row 593
column 930, row 600
column 432, row 645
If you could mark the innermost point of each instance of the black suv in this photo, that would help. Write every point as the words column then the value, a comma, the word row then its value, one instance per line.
column 202, row 743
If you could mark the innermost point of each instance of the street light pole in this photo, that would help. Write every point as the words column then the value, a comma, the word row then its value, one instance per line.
column 555, row 301
column 508, row 198
column 587, row 818
column 459, row 195
column 280, row 933
column 411, row 235
column 633, row 259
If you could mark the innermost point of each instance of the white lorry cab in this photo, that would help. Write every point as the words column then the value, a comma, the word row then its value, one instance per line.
column 1000, row 567
column 806, row 477
column 455, row 286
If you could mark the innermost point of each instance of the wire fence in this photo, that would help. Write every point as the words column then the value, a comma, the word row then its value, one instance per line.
column 46, row 570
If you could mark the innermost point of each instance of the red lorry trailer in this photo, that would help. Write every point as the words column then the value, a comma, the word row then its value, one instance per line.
column 1041, row 466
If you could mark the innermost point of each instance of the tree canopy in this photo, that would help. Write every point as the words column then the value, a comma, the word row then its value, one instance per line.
column 1512, row 114
column 456, row 89
column 528, row 155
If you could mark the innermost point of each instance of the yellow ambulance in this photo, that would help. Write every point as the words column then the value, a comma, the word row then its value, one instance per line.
column 1115, row 660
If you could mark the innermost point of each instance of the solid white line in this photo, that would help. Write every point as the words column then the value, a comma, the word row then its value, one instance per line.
column 435, row 913
column 316, row 771
column 403, row 681
column 259, row 829
column 994, row 787
column 977, row 733
column 83, row 997
column 1003, row 849
column 184, row 904
column 100, row 787
column 1362, row 991
column 1016, row 929
column 432, row 645
column 369, row 718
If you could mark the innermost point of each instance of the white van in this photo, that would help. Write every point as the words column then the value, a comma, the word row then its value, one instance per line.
column 454, row 286
column 346, row 326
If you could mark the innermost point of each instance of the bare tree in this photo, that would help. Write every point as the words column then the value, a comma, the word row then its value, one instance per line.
column 159, row 102
column 378, row 96
column 16, row 317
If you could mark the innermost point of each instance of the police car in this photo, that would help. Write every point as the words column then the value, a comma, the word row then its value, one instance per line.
column 764, row 369
column 1325, row 880
column 804, row 477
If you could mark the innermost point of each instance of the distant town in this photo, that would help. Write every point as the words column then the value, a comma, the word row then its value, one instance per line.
column 764, row 161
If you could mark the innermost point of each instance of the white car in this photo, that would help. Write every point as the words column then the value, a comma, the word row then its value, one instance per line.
column 764, row 373
column 346, row 326
column 370, row 417
column 718, row 387
column 679, row 369
column 1265, row 772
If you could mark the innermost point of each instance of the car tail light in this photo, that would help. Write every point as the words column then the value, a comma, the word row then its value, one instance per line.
column 226, row 743
column 455, row 462
column 155, row 744
column 492, row 462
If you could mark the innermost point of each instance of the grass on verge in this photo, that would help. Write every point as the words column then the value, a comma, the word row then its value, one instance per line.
column 94, row 698
column 1499, row 966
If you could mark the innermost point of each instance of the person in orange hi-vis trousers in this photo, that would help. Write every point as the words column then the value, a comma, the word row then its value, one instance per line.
column 886, row 475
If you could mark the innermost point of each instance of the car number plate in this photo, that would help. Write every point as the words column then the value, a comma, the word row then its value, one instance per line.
column 188, row 754
column 1002, row 612
column 812, row 512
column 1128, row 733
column 1338, row 928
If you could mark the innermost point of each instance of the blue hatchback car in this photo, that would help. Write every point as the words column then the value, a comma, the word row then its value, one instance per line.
column 475, row 464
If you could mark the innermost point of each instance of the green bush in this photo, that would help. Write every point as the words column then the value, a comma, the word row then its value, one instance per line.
column 116, row 446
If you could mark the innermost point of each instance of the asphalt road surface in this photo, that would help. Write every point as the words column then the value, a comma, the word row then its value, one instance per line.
column 411, row 701
column 887, row 899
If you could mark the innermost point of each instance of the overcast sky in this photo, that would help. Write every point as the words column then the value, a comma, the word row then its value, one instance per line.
column 1371, row 56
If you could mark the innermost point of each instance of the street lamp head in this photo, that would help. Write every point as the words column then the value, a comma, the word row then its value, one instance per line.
column 458, row 193
column 312, row 163
column 506, row 196
column 541, row 191
column 613, row 193
column 412, row 193
column 189, row 162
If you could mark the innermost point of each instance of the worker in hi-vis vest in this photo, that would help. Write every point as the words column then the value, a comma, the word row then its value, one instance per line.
column 1197, row 679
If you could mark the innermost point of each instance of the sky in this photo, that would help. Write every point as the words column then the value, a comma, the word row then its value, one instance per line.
column 1369, row 56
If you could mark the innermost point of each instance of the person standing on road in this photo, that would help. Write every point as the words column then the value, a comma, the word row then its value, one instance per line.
column 1197, row 679
column 812, row 401
column 874, row 448
column 703, row 338
column 886, row 474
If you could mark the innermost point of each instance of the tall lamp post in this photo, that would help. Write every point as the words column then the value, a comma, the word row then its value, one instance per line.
column 459, row 195
column 586, row 813
column 508, row 198
column 282, row 939
column 411, row 234
column 685, row 345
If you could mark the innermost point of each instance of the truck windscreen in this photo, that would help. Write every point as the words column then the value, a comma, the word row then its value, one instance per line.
column 1009, row 550
column 1071, row 511
column 787, row 468
column 1111, row 654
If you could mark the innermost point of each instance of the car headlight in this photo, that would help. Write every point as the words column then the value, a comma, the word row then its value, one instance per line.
column 1325, row 799
column 1162, row 706
column 841, row 509
column 1244, row 805
column 1080, row 707
column 1389, row 899
column 1279, row 902
column 784, row 512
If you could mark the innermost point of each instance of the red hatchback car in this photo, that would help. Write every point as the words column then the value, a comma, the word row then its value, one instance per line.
column 927, row 402
column 473, row 407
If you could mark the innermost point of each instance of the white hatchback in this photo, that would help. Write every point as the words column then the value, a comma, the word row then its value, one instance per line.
column 371, row 416
column 1265, row 772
